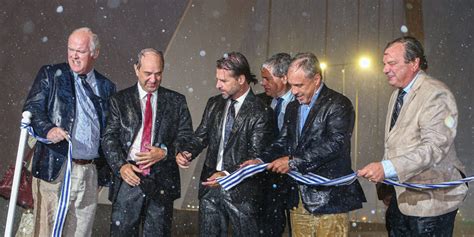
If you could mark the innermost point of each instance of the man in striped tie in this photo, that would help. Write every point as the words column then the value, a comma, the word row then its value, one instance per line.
column 419, row 145
column 69, row 101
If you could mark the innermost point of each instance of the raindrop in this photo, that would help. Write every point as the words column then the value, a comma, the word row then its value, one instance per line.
column 404, row 29
column 60, row 9
column 58, row 73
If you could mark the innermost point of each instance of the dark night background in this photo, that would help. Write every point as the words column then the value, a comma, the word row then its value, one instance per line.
column 193, row 34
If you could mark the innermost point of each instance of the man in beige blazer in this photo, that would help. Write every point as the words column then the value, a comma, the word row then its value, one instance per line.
column 419, row 145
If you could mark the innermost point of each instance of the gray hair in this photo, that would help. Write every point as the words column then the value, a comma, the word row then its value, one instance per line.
column 142, row 53
column 278, row 64
column 94, row 43
column 309, row 63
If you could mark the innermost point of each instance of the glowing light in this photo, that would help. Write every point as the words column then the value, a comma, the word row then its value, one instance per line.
column 364, row 62
column 323, row 66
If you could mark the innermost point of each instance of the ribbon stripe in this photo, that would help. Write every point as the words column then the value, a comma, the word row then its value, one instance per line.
column 238, row 176
column 63, row 204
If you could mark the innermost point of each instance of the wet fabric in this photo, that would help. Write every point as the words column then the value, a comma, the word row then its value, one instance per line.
column 217, row 210
column 304, row 224
column 82, row 204
column 132, row 207
column 398, row 224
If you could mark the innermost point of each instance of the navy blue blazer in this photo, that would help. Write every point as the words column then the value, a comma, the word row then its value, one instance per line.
column 52, row 102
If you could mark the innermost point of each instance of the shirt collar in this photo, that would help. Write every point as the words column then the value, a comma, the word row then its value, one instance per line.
column 142, row 93
column 408, row 88
column 315, row 96
column 89, row 74
column 241, row 99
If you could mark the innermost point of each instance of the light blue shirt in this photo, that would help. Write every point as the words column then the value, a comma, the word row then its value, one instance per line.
column 304, row 109
column 388, row 168
column 287, row 98
column 85, row 134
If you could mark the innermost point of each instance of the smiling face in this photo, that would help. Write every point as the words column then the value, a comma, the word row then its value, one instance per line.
column 80, row 57
column 149, row 72
column 273, row 86
column 399, row 73
column 302, row 87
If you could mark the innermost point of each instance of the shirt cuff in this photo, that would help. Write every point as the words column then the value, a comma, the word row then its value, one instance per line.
column 226, row 172
column 389, row 170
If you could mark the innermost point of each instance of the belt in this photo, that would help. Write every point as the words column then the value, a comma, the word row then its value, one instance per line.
column 83, row 162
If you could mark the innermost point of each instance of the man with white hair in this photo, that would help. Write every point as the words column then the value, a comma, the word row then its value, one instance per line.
column 69, row 101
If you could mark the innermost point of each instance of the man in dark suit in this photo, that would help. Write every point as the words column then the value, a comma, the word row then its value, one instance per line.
column 277, row 95
column 316, row 138
column 69, row 100
column 146, row 125
column 235, row 127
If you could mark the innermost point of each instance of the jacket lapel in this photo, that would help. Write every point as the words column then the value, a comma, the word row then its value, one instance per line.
column 137, row 110
column 313, row 111
column 244, row 111
column 161, row 104
column 406, row 103
column 219, row 111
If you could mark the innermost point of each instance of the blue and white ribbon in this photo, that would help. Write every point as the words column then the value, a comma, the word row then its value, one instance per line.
column 238, row 176
column 63, row 204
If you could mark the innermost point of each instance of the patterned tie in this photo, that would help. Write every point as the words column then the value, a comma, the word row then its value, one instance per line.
column 277, row 113
column 146, row 135
column 229, row 121
column 397, row 108
column 96, row 101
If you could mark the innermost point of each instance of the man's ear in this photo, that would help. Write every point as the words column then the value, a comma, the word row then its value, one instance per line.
column 241, row 79
column 137, row 70
column 416, row 64
column 95, row 54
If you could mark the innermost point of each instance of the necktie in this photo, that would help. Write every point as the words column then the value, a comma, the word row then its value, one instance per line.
column 277, row 113
column 397, row 108
column 94, row 98
column 229, row 121
column 146, row 135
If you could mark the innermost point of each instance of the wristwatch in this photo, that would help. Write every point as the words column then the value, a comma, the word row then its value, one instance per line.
column 292, row 164
column 163, row 146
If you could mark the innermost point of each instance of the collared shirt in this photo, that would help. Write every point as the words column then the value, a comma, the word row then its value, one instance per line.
column 287, row 98
column 305, row 108
column 237, row 105
column 388, row 168
column 138, row 139
column 85, row 135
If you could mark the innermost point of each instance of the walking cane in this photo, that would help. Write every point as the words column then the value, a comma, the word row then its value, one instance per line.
column 16, row 178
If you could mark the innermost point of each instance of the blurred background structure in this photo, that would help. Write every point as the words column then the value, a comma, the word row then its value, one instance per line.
column 348, row 36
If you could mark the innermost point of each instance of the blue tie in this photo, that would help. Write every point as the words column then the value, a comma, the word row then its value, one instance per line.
column 229, row 121
column 277, row 112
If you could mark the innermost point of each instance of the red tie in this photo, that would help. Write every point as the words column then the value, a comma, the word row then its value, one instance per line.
column 146, row 136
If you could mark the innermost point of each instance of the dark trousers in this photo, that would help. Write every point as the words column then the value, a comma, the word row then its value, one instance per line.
column 274, row 215
column 132, row 208
column 400, row 225
column 216, row 210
